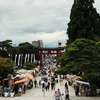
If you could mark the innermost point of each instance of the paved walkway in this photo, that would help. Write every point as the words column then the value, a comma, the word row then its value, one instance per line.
column 37, row 94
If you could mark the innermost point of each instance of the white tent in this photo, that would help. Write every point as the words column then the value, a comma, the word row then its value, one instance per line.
column 81, row 82
column 22, row 70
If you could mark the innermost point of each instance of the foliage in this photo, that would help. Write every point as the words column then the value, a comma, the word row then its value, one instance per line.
column 84, row 21
column 5, row 48
column 6, row 62
column 82, row 55
column 26, row 48
column 6, row 65
column 30, row 65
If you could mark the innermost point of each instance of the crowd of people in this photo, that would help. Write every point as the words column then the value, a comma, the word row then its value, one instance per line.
column 49, row 81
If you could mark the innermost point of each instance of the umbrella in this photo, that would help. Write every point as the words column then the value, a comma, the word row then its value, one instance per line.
column 79, row 77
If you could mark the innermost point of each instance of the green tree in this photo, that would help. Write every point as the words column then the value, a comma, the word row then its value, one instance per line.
column 5, row 48
column 84, row 21
column 26, row 48
column 30, row 65
column 6, row 67
column 15, row 50
column 82, row 55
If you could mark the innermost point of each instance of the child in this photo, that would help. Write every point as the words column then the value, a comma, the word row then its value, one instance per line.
column 62, row 96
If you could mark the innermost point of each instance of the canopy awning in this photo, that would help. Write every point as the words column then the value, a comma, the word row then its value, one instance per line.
column 82, row 82
column 21, row 81
column 29, row 76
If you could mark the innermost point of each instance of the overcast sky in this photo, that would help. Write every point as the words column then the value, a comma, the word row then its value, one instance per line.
column 30, row 20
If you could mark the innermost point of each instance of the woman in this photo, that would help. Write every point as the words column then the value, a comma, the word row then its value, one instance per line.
column 56, row 95
column 67, row 95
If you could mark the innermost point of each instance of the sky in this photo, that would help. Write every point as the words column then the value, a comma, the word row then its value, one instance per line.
column 32, row 20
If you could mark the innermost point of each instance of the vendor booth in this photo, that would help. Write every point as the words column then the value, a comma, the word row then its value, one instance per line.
column 5, row 82
column 83, row 87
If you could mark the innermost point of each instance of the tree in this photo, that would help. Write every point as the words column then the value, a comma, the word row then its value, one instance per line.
column 82, row 55
column 26, row 48
column 6, row 65
column 30, row 65
column 5, row 48
column 84, row 21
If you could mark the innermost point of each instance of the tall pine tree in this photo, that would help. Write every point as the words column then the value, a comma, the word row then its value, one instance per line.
column 84, row 21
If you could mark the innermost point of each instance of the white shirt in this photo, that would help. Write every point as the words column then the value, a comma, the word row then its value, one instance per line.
column 62, row 98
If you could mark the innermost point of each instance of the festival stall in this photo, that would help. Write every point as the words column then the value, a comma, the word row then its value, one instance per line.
column 83, row 87
column 5, row 82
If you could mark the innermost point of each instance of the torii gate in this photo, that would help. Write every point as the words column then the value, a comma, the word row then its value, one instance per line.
column 43, row 51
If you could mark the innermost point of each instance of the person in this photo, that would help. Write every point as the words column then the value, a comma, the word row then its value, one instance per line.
column 54, row 85
column 19, row 91
column 67, row 95
column 35, row 82
column 50, row 71
column 77, row 90
column 56, row 78
column 66, row 86
column 51, row 84
column 43, row 85
column 62, row 96
column 60, row 80
column 39, row 83
column 8, row 89
column 43, row 88
column 59, row 94
column 48, row 85
column 31, row 84
column 24, row 89
column 56, row 95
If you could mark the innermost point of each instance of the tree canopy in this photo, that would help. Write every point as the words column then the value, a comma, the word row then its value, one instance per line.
column 26, row 48
column 81, row 55
column 6, row 65
column 30, row 65
column 84, row 21
column 5, row 48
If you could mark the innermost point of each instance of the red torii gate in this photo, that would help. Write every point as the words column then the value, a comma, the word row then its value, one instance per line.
column 43, row 51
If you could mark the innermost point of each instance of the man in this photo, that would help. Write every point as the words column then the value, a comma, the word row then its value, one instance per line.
column 43, row 88
column 66, row 86
column 77, row 90
column 35, row 82
column 59, row 94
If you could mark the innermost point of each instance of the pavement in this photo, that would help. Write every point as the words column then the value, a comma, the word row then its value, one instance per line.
column 37, row 94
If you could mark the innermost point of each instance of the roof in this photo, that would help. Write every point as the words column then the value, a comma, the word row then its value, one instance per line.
column 82, row 82
column 21, row 81
column 7, row 79
column 29, row 76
